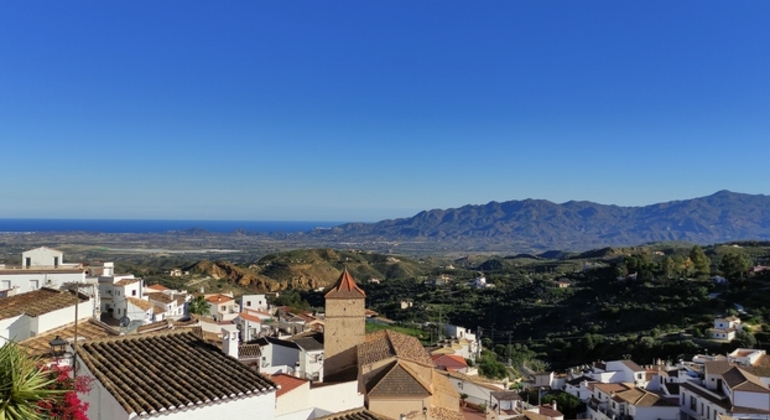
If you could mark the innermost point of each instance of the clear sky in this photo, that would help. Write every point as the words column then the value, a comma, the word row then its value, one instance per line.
column 369, row 110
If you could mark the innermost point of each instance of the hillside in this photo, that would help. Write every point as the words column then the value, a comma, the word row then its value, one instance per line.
column 539, row 225
column 309, row 269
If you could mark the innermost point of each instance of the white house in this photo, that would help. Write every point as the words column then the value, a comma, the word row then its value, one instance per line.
column 222, row 307
column 478, row 391
column 619, row 401
column 30, row 314
column 618, row 371
column 728, row 390
column 114, row 289
column 254, row 303
column 250, row 326
column 298, row 399
column 41, row 267
column 726, row 328
column 171, row 375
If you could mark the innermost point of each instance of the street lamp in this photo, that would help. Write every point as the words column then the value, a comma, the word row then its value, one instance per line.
column 58, row 346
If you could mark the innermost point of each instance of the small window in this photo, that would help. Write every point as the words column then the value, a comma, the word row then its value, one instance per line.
column 248, row 303
column 133, row 293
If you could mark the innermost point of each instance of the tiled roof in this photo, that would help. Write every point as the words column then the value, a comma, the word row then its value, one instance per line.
column 441, row 413
column 632, row 365
column 547, row 410
column 140, row 303
column 721, row 401
column 248, row 317
column 738, row 379
column 287, row 383
column 90, row 329
column 395, row 379
column 717, row 367
column 172, row 370
column 642, row 398
column 309, row 341
column 126, row 282
column 37, row 303
column 219, row 299
column 506, row 395
column 450, row 361
column 158, row 287
column 611, row 387
column 385, row 344
column 160, row 297
column 345, row 288
column 354, row 414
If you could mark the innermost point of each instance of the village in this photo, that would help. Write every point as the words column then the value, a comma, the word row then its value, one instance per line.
column 150, row 357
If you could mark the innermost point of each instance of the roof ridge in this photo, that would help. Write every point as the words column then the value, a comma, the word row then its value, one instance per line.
column 345, row 287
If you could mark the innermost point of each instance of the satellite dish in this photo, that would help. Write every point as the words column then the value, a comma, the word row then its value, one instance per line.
column 124, row 321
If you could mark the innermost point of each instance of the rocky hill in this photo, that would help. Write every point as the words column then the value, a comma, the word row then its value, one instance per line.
column 309, row 269
column 537, row 225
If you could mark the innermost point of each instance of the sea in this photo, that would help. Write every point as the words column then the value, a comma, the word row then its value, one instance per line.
column 157, row 226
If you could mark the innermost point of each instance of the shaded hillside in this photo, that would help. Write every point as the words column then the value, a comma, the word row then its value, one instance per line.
column 310, row 269
column 575, row 225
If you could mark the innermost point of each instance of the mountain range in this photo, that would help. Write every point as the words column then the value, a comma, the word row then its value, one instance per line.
column 537, row 225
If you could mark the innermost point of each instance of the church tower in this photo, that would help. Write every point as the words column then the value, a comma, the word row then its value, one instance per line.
column 344, row 327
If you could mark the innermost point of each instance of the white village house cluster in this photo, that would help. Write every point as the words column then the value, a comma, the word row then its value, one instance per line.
column 150, row 358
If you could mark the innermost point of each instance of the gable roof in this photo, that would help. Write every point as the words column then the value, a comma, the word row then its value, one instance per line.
column 249, row 317
column 160, row 298
column 171, row 370
column 385, row 344
column 738, row 379
column 395, row 379
column 309, row 341
column 632, row 365
column 38, row 302
column 345, row 288
column 449, row 361
column 126, row 282
column 158, row 287
column 642, row 398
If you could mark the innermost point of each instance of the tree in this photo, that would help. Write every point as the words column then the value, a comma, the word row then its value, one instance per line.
column 198, row 306
column 25, row 386
column 566, row 403
column 735, row 265
column 701, row 263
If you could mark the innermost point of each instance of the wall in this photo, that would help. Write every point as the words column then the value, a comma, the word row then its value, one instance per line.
column 260, row 407
column 344, row 329
column 759, row 400
column 394, row 407
column 284, row 356
column 14, row 328
column 296, row 401
column 477, row 393
column 62, row 317
column 337, row 397
column 101, row 404
column 41, row 257
column 656, row 413
column 48, row 278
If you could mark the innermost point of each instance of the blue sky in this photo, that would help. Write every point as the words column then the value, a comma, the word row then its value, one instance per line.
column 361, row 110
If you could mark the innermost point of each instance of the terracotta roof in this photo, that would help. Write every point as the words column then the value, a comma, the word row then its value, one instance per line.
column 219, row 299
column 287, row 383
column 158, row 287
column 450, row 361
column 385, row 344
column 354, row 414
column 249, row 317
column 547, row 410
column 90, row 329
column 140, row 303
column 173, row 370
column 37, row 303
column 441, row 413
column 126, row 282
column 611, row 387
column 345, row 288
column 717, row 367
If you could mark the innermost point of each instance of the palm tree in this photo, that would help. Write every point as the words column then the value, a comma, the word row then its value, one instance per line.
column 24, row 385
column 198, row 306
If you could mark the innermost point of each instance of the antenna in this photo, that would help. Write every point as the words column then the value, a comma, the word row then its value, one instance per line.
column 123, row 322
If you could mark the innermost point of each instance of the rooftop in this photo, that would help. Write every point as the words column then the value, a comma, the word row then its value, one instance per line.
column 89, row 330
column 345, row 288
column 385, row 344
column 219, row 299
column 354, row 414
column 36, row 303
column 171, row 370
column 287, row 383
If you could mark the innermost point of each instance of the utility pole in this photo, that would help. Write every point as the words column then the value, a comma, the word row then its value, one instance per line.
column 75, row 333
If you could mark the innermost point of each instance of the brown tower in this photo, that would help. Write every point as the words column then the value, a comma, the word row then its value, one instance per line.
column 344, row 328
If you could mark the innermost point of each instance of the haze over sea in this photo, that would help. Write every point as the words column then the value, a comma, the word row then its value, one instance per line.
column 156, row 226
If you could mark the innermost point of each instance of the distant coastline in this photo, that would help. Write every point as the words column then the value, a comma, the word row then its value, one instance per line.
column 156, row 226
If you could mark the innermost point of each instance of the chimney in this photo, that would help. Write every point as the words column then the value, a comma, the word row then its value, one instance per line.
column 553, row 405
column 230, row 343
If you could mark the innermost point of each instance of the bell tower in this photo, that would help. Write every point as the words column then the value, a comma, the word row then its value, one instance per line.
column 344, row 327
